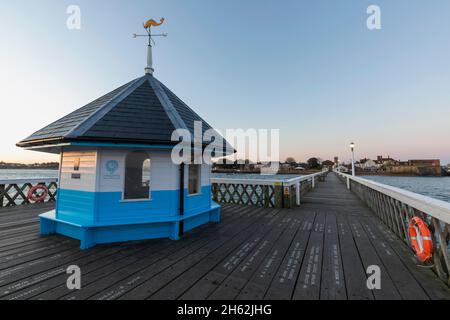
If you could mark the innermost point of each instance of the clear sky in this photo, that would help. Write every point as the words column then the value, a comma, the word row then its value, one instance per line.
column 309, row 68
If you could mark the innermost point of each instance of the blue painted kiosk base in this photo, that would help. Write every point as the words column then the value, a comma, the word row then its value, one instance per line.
column 90, row 235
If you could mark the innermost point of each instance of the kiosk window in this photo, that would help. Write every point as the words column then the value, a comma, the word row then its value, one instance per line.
column 137, row 176
column 194, row 179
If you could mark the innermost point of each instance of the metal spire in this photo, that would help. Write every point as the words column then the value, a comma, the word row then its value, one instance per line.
column 147, row 26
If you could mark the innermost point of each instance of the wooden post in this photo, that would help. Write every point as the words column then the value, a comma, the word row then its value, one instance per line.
column 313, row 182
column 292, row 201
column 266, row 196
column 298, row 193
column 215, row 192
column 278, row 194
column 286, row 197
column 41, row 184
column 2, row 190
column 348, row 183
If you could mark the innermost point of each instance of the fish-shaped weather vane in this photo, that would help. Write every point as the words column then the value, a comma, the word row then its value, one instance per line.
column 153, row 23
column 148, row 26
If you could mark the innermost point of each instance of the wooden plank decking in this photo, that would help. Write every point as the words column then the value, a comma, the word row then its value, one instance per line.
column 317, row 251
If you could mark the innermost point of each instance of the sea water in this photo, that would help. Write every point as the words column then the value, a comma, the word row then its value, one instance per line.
column 434, row 187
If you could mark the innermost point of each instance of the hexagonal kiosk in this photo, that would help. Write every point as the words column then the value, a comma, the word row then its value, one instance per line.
column 117, row 178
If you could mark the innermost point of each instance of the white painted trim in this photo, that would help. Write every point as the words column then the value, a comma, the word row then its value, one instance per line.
column 23, row 181
column 45, row 146
column 98, row 169
column 61, row 156
column 268, row 182
column 194, row 195
column 298, row 193
column 167, row 105
column 245, row 181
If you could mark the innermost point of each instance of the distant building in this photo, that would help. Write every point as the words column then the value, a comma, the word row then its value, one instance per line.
column 369, row 165
column 422, row 167
column 285, row 166
column 342, row 168
column 386, row 161
column 328, row 164
column 425, row 163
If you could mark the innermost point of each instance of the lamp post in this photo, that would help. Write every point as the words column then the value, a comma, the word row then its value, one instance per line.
column 352, row 148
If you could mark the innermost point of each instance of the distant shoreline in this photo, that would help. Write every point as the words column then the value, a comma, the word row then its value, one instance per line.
column 23, row 166
column 27, row 168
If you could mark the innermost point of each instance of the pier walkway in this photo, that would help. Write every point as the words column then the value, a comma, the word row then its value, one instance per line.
column 320, row 250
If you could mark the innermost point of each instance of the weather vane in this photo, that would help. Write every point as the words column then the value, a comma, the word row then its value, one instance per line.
column 148, row 27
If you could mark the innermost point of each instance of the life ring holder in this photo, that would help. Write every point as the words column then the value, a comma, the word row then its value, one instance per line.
column 420, row 239
column 41, row 198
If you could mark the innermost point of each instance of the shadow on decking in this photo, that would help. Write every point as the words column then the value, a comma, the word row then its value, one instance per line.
column 320, row 250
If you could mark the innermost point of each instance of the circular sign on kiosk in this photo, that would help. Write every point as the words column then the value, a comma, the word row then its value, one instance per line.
column 112, row 166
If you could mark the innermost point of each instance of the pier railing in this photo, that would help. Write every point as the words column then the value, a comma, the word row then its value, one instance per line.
column 396, row 207
column 14, row 192
column 270, row 193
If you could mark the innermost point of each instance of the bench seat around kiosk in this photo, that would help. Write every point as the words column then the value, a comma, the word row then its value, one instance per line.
column 141, row 229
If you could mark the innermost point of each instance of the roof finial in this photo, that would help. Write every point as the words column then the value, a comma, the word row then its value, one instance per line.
column 147, row 26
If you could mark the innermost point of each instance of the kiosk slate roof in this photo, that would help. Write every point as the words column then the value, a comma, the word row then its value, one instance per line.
column 141, row 111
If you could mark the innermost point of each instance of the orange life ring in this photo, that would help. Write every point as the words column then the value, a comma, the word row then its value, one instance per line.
column 421, row 241
column 33, row 197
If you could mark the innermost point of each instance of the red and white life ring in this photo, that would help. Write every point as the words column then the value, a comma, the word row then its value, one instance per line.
column 421, row 241
column 37, row 198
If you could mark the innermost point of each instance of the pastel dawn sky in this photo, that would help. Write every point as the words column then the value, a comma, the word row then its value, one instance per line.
column 309, row 68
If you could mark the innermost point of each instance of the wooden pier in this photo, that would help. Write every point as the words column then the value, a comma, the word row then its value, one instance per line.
column 320, row 250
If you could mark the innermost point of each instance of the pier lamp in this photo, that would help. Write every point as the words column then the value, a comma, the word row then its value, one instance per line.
column 352, row 148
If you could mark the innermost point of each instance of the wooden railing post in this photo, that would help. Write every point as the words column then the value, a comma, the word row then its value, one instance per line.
column 287, row 197
column 266, row 196
column 278, row 194
column 298, row 193
column 215, row 192
column 2, row 190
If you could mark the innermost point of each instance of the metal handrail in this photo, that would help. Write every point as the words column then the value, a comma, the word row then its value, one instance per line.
column 261, row 182
column 296, row 180
column 268, row 182
column 22, row 181
column 396, row 207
